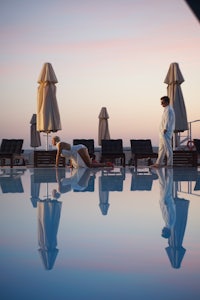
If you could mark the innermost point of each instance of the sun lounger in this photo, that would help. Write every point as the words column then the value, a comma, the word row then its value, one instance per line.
column 11, row 149
column 111, row 150
column 142, row 149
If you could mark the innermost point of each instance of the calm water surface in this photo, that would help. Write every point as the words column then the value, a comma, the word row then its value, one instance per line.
column 97, row 234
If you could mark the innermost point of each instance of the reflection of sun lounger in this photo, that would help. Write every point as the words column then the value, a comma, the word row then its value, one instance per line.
column 187, row 174
column 47, row 175
column 142, row 182
column 11, row 184
column 111, row 181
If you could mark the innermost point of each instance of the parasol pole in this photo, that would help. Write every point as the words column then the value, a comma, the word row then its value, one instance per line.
column 47, row 142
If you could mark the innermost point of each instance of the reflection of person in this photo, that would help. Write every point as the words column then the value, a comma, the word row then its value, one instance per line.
column 78, row 155
column 167, row 126
column 167, row 204
column 78, row 180
column 61, row 188
column 175, row 212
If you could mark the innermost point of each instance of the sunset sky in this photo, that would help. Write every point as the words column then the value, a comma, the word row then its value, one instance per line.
column 113, row 53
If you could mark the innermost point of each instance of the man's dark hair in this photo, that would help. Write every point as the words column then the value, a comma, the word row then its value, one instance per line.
column 166, row 99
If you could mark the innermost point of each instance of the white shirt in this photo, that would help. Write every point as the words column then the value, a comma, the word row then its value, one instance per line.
column 168, row 120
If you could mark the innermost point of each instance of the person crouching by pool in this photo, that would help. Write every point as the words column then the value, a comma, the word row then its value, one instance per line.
column 78, row 155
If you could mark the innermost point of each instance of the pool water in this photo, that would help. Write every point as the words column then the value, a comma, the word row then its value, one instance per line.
column 97, row 234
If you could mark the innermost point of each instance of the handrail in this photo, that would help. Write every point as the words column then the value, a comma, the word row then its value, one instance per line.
column 190, row 128
column 188, row 136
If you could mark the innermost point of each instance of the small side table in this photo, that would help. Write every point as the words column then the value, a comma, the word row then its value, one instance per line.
column 47, row 158
column 185, row 158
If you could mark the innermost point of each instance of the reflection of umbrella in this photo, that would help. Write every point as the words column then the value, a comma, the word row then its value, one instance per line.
column 48, row 222
column 48, row 117
column 48, row 257
column 103, row 198
column 35, row 191
column 174, row 79
column 104, row 133
column 175, row 250
column 109, row 182
column 35, row 135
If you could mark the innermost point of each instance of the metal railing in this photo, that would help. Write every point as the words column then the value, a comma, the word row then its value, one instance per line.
column 184, row 137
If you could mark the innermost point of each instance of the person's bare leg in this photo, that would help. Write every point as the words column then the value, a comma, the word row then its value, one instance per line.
column 87, row 160
column 85, row 157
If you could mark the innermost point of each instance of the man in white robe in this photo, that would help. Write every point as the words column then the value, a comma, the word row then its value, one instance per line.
column 167, row 126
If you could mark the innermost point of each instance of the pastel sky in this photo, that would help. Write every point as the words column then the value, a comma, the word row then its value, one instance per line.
column 113, row 53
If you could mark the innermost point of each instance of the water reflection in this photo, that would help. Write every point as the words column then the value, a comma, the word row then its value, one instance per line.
column 35, row 190
column 109, row 181
column 197, row 185
column 174, row 208
column 84, row 249
column 79, row 179
column 174, row 212
column 142, row 180
column 167, row 204
column 49, row 211
column 10, row 181
column 84, row 180
column 60, row 177
column 175, row 250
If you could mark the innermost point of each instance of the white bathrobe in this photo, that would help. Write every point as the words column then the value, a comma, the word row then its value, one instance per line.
column 165, row 139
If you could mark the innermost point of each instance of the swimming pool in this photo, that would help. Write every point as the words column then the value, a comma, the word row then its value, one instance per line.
column 96, row 234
